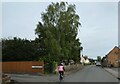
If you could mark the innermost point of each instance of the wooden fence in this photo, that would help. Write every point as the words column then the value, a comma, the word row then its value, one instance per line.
column 23, row 67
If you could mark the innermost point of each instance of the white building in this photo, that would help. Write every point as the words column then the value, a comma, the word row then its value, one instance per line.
column 84, row 61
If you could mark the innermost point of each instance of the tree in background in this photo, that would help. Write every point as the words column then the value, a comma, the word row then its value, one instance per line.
column 57, row 32
column 99, row 58
column 18, row 49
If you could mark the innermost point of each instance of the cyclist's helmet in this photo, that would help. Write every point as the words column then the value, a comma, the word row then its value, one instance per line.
column 62, row 64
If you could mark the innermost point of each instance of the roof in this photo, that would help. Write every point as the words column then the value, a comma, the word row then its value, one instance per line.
column 113, row 49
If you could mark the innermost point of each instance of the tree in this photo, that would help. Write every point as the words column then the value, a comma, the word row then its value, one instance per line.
column 18, row 49
column 99, row 58
column 58, row 31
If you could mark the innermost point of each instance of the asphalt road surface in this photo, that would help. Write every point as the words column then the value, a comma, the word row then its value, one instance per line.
column 88, row 74
column 91, row 74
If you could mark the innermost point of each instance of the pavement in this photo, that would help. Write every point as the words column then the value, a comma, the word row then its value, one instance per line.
column 113, row 71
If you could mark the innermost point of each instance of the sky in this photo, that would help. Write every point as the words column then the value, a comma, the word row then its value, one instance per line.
column 119, row 24
column 98, row 34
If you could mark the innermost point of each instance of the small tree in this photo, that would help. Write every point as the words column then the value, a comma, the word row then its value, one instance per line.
column 99, row 58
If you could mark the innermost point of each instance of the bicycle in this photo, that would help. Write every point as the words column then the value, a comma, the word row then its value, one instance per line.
column 60, row 77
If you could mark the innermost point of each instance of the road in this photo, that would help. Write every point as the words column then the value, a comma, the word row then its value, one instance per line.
column 88, row 74
column 91, row 74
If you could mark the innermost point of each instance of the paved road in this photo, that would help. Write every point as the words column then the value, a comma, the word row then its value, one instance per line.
column 88, row 74
column 91, row 74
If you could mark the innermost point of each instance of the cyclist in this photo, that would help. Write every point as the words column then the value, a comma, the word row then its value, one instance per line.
column 61, row 70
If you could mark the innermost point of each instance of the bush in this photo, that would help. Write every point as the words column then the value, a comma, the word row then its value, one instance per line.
column 50, row 67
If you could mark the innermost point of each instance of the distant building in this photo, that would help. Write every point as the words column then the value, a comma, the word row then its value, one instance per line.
column 84, row 60
column 113, row 57
column 87, row 61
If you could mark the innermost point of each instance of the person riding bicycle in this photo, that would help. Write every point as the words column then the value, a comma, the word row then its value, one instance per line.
column 61, row 69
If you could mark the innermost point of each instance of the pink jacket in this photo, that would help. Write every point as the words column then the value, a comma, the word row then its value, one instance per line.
column 60, row 68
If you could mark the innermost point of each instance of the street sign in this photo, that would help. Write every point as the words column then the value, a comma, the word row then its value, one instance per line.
column 37, row 67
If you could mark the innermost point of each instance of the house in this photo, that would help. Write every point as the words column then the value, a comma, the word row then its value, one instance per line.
column 84, row 60
column 113, row 57
column 87, row 61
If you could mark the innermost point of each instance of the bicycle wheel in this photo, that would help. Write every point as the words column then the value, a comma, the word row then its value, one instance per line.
column 60, row 77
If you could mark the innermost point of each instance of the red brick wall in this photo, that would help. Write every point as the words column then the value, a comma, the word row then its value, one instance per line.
column 113, row 57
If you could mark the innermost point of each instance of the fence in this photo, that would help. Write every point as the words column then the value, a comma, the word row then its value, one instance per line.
column 23, row 67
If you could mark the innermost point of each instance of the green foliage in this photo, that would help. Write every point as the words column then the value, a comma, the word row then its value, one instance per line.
column 56, row 38
column 17, row 49
column 99, row 58
column 50, row 67
column 57, row 32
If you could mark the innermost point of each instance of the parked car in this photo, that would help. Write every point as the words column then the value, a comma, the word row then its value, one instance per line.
column 98, row 64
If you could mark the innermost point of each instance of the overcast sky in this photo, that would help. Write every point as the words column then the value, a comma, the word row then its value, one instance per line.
column 98, row 34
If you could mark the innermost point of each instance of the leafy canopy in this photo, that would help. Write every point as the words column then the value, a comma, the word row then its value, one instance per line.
column 58, row 31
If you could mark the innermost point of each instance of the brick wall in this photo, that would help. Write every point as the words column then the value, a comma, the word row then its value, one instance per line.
column 113, row 57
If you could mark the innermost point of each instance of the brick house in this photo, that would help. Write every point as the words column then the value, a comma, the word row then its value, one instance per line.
column 113, row 57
